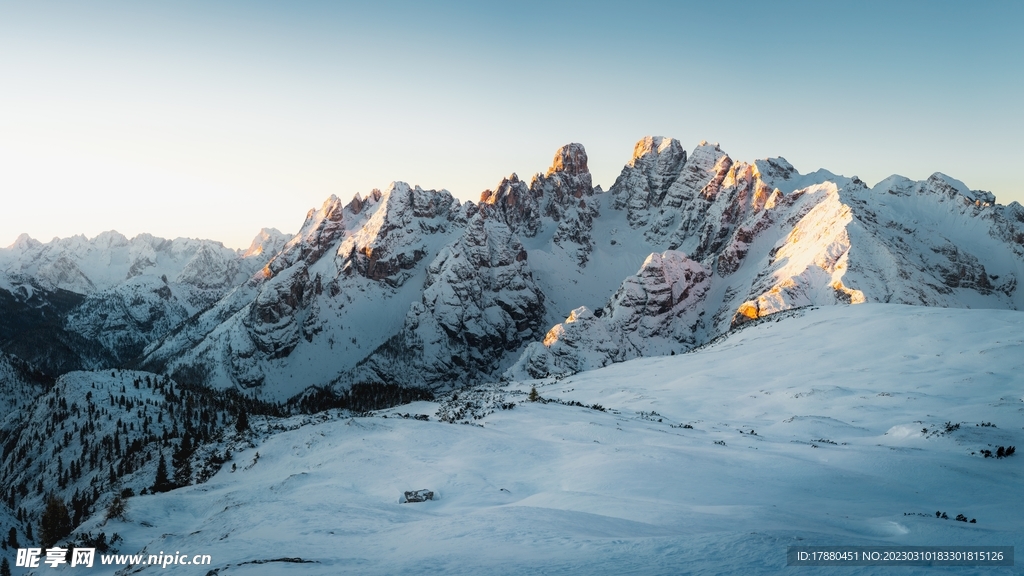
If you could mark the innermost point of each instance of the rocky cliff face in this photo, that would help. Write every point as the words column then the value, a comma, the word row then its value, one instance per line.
column 563, row 196
column 479, row 304
column 656, row 312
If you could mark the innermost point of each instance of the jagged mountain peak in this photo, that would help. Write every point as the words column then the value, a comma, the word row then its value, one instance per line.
column 561, row 190
column 110, row 239
column 942, row 183
column 390, row 241
column 514, row 203
column 505, row 191
column 321, row 228
column 24, row 242
column 569, row 159
column 267, row 241
column 331, row 211
column 656, row 145
column 356, row 205
column 645, row 179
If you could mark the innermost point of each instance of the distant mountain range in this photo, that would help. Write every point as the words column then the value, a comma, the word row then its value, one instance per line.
column 547, row 277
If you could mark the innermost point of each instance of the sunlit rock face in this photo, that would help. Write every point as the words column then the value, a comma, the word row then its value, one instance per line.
column 565, row 193
column 645, row 180
column 544, row 275
column 514, row 203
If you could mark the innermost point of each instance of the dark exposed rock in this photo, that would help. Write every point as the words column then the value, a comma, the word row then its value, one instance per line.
column 417, row 496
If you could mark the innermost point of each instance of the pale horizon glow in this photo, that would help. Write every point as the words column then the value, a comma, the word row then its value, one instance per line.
column 216, row 121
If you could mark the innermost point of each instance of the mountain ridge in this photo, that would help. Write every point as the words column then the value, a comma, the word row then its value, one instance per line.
column 544, row 277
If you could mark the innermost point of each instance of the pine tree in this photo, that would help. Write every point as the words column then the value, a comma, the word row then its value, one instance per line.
column 242, row 424
column 12, row 538
column 56, row 523
column 534, row 396
column 5, row 567
column 162, row 482
column 181, row 460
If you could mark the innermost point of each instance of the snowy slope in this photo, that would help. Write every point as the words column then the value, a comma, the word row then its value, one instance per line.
column 828, row 426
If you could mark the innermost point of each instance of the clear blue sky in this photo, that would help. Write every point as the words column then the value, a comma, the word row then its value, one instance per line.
column 214, row 119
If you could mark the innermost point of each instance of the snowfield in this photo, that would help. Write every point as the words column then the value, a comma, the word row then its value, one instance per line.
column 817, row 426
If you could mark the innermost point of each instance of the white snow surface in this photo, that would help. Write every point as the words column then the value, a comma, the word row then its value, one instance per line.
column 817, row 426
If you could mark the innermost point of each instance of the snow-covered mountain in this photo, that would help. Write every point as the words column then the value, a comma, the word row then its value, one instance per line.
column 412, row 286
column 749, row 240
column 107, row 297
column 550, row 276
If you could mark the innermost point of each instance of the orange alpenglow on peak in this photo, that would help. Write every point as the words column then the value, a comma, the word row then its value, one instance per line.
column 569, row 159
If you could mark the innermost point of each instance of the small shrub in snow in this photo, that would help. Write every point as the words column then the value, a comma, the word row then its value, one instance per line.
column 99, row 542
column 117, row 508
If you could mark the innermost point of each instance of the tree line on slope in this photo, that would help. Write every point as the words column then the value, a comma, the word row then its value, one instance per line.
column 102, row 449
